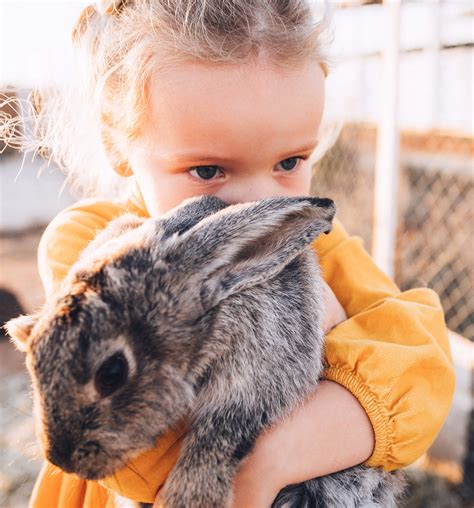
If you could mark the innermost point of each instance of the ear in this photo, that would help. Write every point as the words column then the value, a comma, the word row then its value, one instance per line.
column 247, row 244
column 19, row 330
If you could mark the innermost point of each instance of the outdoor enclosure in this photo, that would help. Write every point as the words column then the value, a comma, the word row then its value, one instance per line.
column 433, row 246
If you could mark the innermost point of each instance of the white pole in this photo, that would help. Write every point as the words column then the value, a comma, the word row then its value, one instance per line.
column 433, row 56
column 2, row 49
column 387, row 157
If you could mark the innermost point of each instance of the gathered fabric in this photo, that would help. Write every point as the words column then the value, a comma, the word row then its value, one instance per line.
column 392, row 354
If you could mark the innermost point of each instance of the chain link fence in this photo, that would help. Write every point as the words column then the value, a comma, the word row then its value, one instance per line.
column 434, row 246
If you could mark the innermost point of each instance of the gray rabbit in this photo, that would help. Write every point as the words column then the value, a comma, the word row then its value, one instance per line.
column 211, row 313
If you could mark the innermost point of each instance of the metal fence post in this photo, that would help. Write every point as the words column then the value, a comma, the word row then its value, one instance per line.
column 387, row 157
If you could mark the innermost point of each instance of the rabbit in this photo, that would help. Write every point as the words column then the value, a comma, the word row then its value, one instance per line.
column 211, row 313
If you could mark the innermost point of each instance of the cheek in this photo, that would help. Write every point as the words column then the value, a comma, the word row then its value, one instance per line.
column 303, row 182
column 167, row 193
column 300, row 183
column 161, row 191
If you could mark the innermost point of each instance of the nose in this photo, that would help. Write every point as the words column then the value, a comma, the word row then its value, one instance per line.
column 251, row 188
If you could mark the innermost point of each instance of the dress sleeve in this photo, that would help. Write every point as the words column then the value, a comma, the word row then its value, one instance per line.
column 67, row 235
column 392, row 353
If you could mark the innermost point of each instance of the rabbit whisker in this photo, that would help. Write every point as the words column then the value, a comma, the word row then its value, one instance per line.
column 117, row 480
column 26, row 413
column 128, row 466
column 134, row 470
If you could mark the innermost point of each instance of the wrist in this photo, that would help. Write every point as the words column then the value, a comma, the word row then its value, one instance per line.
column 256, row 484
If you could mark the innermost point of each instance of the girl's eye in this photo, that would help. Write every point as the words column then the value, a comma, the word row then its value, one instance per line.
column 205, row 172
column 209, row 172
column 290, row 163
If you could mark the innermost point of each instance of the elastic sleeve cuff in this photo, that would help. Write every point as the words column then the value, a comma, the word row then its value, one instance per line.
column 377, row 413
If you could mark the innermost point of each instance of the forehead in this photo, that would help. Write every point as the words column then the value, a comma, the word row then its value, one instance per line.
column 252, row 106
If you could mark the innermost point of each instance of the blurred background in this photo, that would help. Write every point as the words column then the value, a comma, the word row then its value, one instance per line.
column 400, row 170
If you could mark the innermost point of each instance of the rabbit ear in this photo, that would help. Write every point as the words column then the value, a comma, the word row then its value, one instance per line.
column 183, row 217
column 19, row 330
column 246, row 244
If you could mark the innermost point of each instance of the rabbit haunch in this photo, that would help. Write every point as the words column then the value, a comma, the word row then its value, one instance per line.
column 213, row 314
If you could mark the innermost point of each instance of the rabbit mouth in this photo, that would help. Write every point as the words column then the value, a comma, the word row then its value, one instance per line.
column 98, row 469
column 85, row 467
column 89, row 460
column 102, row 465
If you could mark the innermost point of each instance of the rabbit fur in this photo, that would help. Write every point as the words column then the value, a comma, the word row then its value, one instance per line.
column 211, row 313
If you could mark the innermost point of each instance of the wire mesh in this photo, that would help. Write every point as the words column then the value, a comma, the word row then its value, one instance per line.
column 434, row 244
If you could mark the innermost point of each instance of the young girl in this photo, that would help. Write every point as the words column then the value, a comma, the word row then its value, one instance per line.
column 225, row 97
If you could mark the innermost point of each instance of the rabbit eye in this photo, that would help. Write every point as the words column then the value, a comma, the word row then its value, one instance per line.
column 111, row 375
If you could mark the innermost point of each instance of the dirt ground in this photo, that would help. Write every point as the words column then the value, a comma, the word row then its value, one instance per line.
column 20, row 459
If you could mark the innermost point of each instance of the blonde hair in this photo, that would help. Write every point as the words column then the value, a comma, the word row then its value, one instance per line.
column 85, row 127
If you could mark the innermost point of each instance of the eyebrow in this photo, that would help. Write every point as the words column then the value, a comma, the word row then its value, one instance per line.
column 185, row 156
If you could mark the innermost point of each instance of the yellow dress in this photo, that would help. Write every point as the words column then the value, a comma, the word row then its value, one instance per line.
column 392, row 353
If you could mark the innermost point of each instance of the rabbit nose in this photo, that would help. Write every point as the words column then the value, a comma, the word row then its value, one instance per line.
column 87, row 449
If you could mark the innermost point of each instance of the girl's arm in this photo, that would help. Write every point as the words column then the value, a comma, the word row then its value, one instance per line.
column 392, row 354
column 330, row 433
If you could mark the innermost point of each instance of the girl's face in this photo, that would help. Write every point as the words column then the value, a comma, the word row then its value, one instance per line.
column 240, row 133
